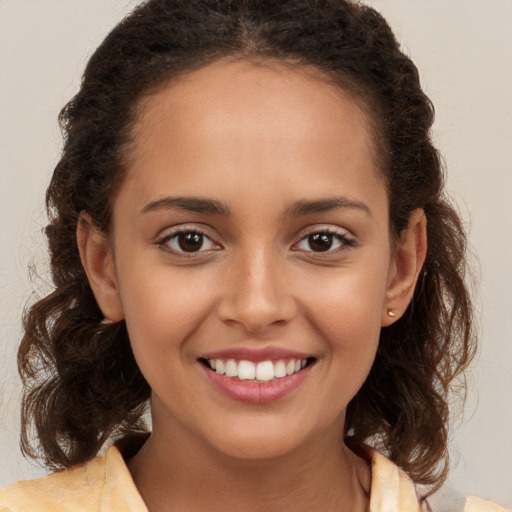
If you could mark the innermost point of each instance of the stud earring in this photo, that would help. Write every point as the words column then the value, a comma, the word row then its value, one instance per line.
column 391, row 313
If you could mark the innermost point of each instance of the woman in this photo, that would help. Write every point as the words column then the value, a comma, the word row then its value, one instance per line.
column 248, row 228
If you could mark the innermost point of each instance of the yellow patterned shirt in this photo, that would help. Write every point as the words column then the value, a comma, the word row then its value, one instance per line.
column 105, row 485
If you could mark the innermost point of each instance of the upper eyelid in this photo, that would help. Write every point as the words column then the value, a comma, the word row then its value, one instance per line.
column 171, row 231
column 323, row 228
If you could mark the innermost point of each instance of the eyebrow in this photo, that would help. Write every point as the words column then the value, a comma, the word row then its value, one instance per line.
column 191, row 204
column 300, row 208
column 212, row 206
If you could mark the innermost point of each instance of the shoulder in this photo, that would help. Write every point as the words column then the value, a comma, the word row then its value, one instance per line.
column 448, row 499
column 393, row 490
column 103, row 484
column 73, row 489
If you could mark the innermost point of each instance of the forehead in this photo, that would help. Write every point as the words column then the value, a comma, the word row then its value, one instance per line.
column 234, row 128
column 300, row 98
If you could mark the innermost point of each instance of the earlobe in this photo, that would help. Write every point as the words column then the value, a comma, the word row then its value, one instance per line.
column 410, row 253
column 98, row 262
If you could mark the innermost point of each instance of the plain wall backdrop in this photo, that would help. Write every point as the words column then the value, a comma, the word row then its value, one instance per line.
column 463, row 49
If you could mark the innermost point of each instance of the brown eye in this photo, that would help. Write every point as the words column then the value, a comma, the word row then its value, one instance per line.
column 320, row 242
column 190, row 242
column 329, row 242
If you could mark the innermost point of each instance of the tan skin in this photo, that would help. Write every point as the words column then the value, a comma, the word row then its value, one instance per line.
column 283, row 158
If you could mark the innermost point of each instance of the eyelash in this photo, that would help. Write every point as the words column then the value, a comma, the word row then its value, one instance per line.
column 165, row 241
column 345, row 242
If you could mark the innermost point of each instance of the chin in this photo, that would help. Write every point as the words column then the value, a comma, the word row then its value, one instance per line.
column 260, row 442
column 257, row 449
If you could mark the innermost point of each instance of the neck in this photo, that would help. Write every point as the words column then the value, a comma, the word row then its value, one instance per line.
column 172, row 472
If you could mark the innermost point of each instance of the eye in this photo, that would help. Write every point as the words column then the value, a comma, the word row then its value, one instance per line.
column 325, row 241
column 187, row 241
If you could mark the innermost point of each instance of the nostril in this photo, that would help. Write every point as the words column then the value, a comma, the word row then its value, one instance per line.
column 257, row 298
column 256, row 317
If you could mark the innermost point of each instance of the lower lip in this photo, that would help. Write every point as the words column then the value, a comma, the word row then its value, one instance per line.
column 256, row 392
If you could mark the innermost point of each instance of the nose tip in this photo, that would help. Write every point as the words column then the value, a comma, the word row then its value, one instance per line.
column 255, row 318
column 257, row 298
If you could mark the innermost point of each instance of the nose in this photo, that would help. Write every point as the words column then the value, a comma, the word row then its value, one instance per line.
column 256, row 295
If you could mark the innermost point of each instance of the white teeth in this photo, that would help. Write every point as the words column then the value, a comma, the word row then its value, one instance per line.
column 280, row 369
column 219, row 366
column 231, row 368
column 246, row 370
column 263, row 371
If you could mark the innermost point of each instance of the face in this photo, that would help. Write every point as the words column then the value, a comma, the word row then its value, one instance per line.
column 252, row 257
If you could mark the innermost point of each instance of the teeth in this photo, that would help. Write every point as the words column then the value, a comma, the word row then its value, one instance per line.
column 231, row 368
column 263, row 371
column 219, row 366
column 280, row 369
column 246, row 370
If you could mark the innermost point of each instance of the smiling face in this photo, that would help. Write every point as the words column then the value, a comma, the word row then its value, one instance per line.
column 251, row 257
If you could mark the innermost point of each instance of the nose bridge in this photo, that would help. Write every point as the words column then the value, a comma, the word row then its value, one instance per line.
column 257, row 295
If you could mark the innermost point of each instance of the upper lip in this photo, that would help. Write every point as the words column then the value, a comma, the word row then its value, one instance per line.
column 255, row 354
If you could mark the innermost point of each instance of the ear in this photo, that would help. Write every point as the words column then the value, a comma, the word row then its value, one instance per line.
column 410, row 253
column 97, row 259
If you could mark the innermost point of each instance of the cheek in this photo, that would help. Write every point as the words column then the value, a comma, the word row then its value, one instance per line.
column 352, row 298
column 162, row 308
column 346, row 310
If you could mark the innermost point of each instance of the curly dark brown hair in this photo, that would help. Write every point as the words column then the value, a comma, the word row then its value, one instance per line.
column 82, row 384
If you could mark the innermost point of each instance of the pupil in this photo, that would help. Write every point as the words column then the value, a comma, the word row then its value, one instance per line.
column 190, row 242
column 320, row 242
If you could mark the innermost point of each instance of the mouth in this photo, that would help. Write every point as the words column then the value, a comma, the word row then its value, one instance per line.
column 257, row 371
